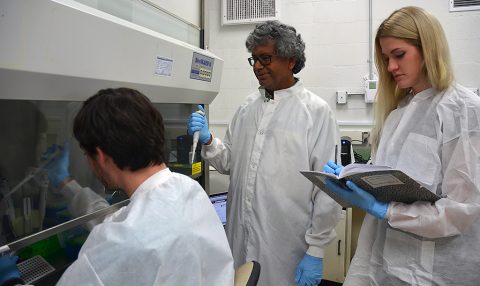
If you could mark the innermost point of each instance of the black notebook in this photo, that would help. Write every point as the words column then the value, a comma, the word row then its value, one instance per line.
column 384, row 183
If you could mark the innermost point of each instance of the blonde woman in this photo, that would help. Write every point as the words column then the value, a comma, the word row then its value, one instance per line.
column 428, row 126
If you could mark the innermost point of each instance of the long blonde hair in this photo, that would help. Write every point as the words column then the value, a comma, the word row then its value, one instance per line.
column 421, row 29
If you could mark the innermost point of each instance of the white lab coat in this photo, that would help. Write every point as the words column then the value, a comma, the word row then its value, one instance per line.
column 169, row 234
column 82, row 201
column 274, row 214
column 434, row 138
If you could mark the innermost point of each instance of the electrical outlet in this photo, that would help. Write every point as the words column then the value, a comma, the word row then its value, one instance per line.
column 365, row 136
column 341, row 97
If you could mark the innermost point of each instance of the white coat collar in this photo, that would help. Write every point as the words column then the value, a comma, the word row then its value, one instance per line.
column 155, row 179
column 283, row 93
column 411, row 98
column 424, row 94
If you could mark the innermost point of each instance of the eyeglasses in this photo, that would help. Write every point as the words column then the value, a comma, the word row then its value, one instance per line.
column 263, row 59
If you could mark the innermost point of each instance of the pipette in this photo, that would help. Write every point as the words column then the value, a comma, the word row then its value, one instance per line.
column 196, row 135
column 31, row 175
column 27, row 211
column 42, row 205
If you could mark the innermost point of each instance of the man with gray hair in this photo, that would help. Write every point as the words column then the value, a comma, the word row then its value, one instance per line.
column 275, row 215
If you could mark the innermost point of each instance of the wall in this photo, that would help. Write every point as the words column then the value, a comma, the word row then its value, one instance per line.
column 336, row 37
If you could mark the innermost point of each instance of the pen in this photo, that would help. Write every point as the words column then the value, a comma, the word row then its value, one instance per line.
column 336, row 152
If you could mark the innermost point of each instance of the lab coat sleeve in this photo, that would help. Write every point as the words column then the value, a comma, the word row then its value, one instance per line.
column 218, row 153
column 326, row 212
column 460, row 184
column 83, row 201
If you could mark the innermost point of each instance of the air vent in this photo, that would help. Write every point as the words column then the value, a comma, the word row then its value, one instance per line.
column 248, row 11
column 464, row 5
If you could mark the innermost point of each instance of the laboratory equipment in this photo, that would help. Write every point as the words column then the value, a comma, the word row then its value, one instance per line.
column 31, row 174
column 370, row 90
column 34, row 268
column 196, row 135
column 346, row 150
column 183, row 148
column 42, row 86
column 219, row 202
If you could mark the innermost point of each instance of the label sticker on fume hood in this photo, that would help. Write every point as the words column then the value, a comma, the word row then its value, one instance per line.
column 163, row 66
column 202, row 67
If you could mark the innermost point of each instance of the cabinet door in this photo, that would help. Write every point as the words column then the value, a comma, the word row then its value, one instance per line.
column 335, row 254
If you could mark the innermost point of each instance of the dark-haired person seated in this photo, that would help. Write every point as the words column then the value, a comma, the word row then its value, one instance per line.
column 168, row 234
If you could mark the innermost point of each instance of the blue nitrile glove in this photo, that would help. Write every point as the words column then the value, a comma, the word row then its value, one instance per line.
column 198, row 122
column 9, row 270
column 332, row 168
column 359, row 198
column 309, row 271
column 57, row 169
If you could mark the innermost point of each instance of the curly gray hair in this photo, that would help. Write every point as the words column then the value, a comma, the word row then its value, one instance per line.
column 288, row 43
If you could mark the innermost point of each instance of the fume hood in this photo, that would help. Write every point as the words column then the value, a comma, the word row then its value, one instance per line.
column 55, row 54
